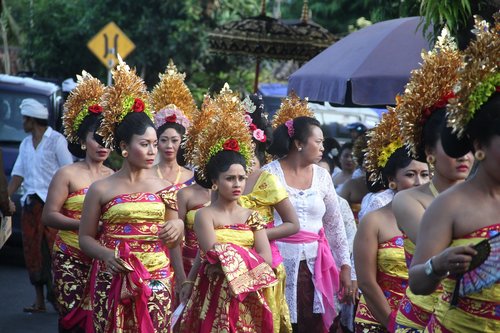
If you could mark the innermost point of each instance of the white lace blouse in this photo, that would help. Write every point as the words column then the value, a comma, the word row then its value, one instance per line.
column 317, row 207
column 373, row 201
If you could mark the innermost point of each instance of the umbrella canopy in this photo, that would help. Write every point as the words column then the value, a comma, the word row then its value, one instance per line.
column 368, row 67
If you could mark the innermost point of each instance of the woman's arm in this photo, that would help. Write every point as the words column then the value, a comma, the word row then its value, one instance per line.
column 408, row 213
column 57, row 195
column 187, row 285
column 172, row 231
column 336, row 236
column 435, row 235
column 262, row 246
column 204, row 229
column 290, row 220
column 365, row 259
column 175, row 255
column 88, row 232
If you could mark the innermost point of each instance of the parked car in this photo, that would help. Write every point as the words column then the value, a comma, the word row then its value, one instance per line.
column 13, row 90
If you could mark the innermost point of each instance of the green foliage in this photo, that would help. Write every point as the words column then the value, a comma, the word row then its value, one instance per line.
column 57, row 32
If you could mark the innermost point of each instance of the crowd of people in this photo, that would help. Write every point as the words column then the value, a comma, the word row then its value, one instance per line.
column 222, row 220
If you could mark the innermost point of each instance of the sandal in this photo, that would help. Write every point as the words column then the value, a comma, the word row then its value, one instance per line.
column 35, row 309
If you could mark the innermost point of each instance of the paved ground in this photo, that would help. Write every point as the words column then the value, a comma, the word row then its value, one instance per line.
column 16, row 293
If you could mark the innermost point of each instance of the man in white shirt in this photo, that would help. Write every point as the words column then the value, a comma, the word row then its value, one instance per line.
column 41, row 154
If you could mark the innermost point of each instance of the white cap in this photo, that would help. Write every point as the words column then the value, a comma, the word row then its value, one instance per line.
column 32, row 108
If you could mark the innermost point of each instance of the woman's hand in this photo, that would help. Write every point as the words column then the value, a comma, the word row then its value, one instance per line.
column 346, row 288
column 115, row 264
column 171, row 231
column 186, row 290
column 453, row 260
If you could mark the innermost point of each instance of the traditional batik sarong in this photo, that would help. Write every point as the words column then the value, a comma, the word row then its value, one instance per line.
column 231, row 301
column 70, row 266
column 392, row 277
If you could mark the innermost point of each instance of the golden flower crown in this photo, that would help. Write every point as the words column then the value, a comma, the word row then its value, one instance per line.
column 383, row 141
column 83, row 100
column 429, row 89
column 479, row 77
column 291, row 107
column 171, row 96
column 222, row 127
column 127, row 94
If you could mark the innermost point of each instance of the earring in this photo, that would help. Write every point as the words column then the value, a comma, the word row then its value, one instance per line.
column 299, row 149
column 214, row 187
column 124, row 153
column 393, row 185
column 479, row 155
column 83, row 146
column 430, row 159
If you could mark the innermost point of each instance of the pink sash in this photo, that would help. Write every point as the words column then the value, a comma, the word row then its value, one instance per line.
column 130, row 290
column 326, row 275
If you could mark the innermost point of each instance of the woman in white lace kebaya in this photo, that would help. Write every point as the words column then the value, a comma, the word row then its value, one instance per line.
column 314, row 276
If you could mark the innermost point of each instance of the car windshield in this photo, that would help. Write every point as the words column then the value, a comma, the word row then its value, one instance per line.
column 11, row 120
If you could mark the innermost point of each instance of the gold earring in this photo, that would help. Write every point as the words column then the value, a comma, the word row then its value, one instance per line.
column 83, row 146
column 124, row 153
column 430, row 159
column 214, row 187
column 479, row 155
column 393, row 185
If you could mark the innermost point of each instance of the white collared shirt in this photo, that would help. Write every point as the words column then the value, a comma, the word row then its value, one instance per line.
column 38, row 166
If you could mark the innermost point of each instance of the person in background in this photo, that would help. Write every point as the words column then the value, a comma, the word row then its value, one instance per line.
column 331, row 155
column 67, row 190
column 174, row 108
column 378, row 246
column 347, row 166
column 356, row 130
column 41, row 154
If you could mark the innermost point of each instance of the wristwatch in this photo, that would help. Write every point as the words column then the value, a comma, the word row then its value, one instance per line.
column 429, row 270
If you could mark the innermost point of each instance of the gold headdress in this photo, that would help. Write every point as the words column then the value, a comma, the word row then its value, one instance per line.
column 383, row 141
column 83, row 100
column 480, row 76
column 170, row 97
column 291, row 107
column 222, row 127
column 429, row 89
column 128, row 94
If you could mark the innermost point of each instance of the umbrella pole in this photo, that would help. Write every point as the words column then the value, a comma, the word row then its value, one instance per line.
column 256, row 80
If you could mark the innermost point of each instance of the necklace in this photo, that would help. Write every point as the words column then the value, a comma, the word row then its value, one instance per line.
column 433, row 189
column 177, row 178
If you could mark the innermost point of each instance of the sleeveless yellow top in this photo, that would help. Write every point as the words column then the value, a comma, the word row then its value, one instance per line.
column 72, row 208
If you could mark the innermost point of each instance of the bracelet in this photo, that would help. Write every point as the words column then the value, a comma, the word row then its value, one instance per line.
column 187, row 282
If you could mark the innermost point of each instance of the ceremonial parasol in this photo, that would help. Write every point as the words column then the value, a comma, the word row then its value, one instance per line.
column 368, row 67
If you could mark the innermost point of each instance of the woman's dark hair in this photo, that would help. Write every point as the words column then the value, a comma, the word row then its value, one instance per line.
column 282, row 142
column 400, row 159
column 221, row 162
column 134, row 123
column 431, row 133
column 376, row 186
column 200, row 181
column 329, row 161
column 89, row 124
column 259, row 119
column 332, row 151
column 181, row 130
column 484, row 125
